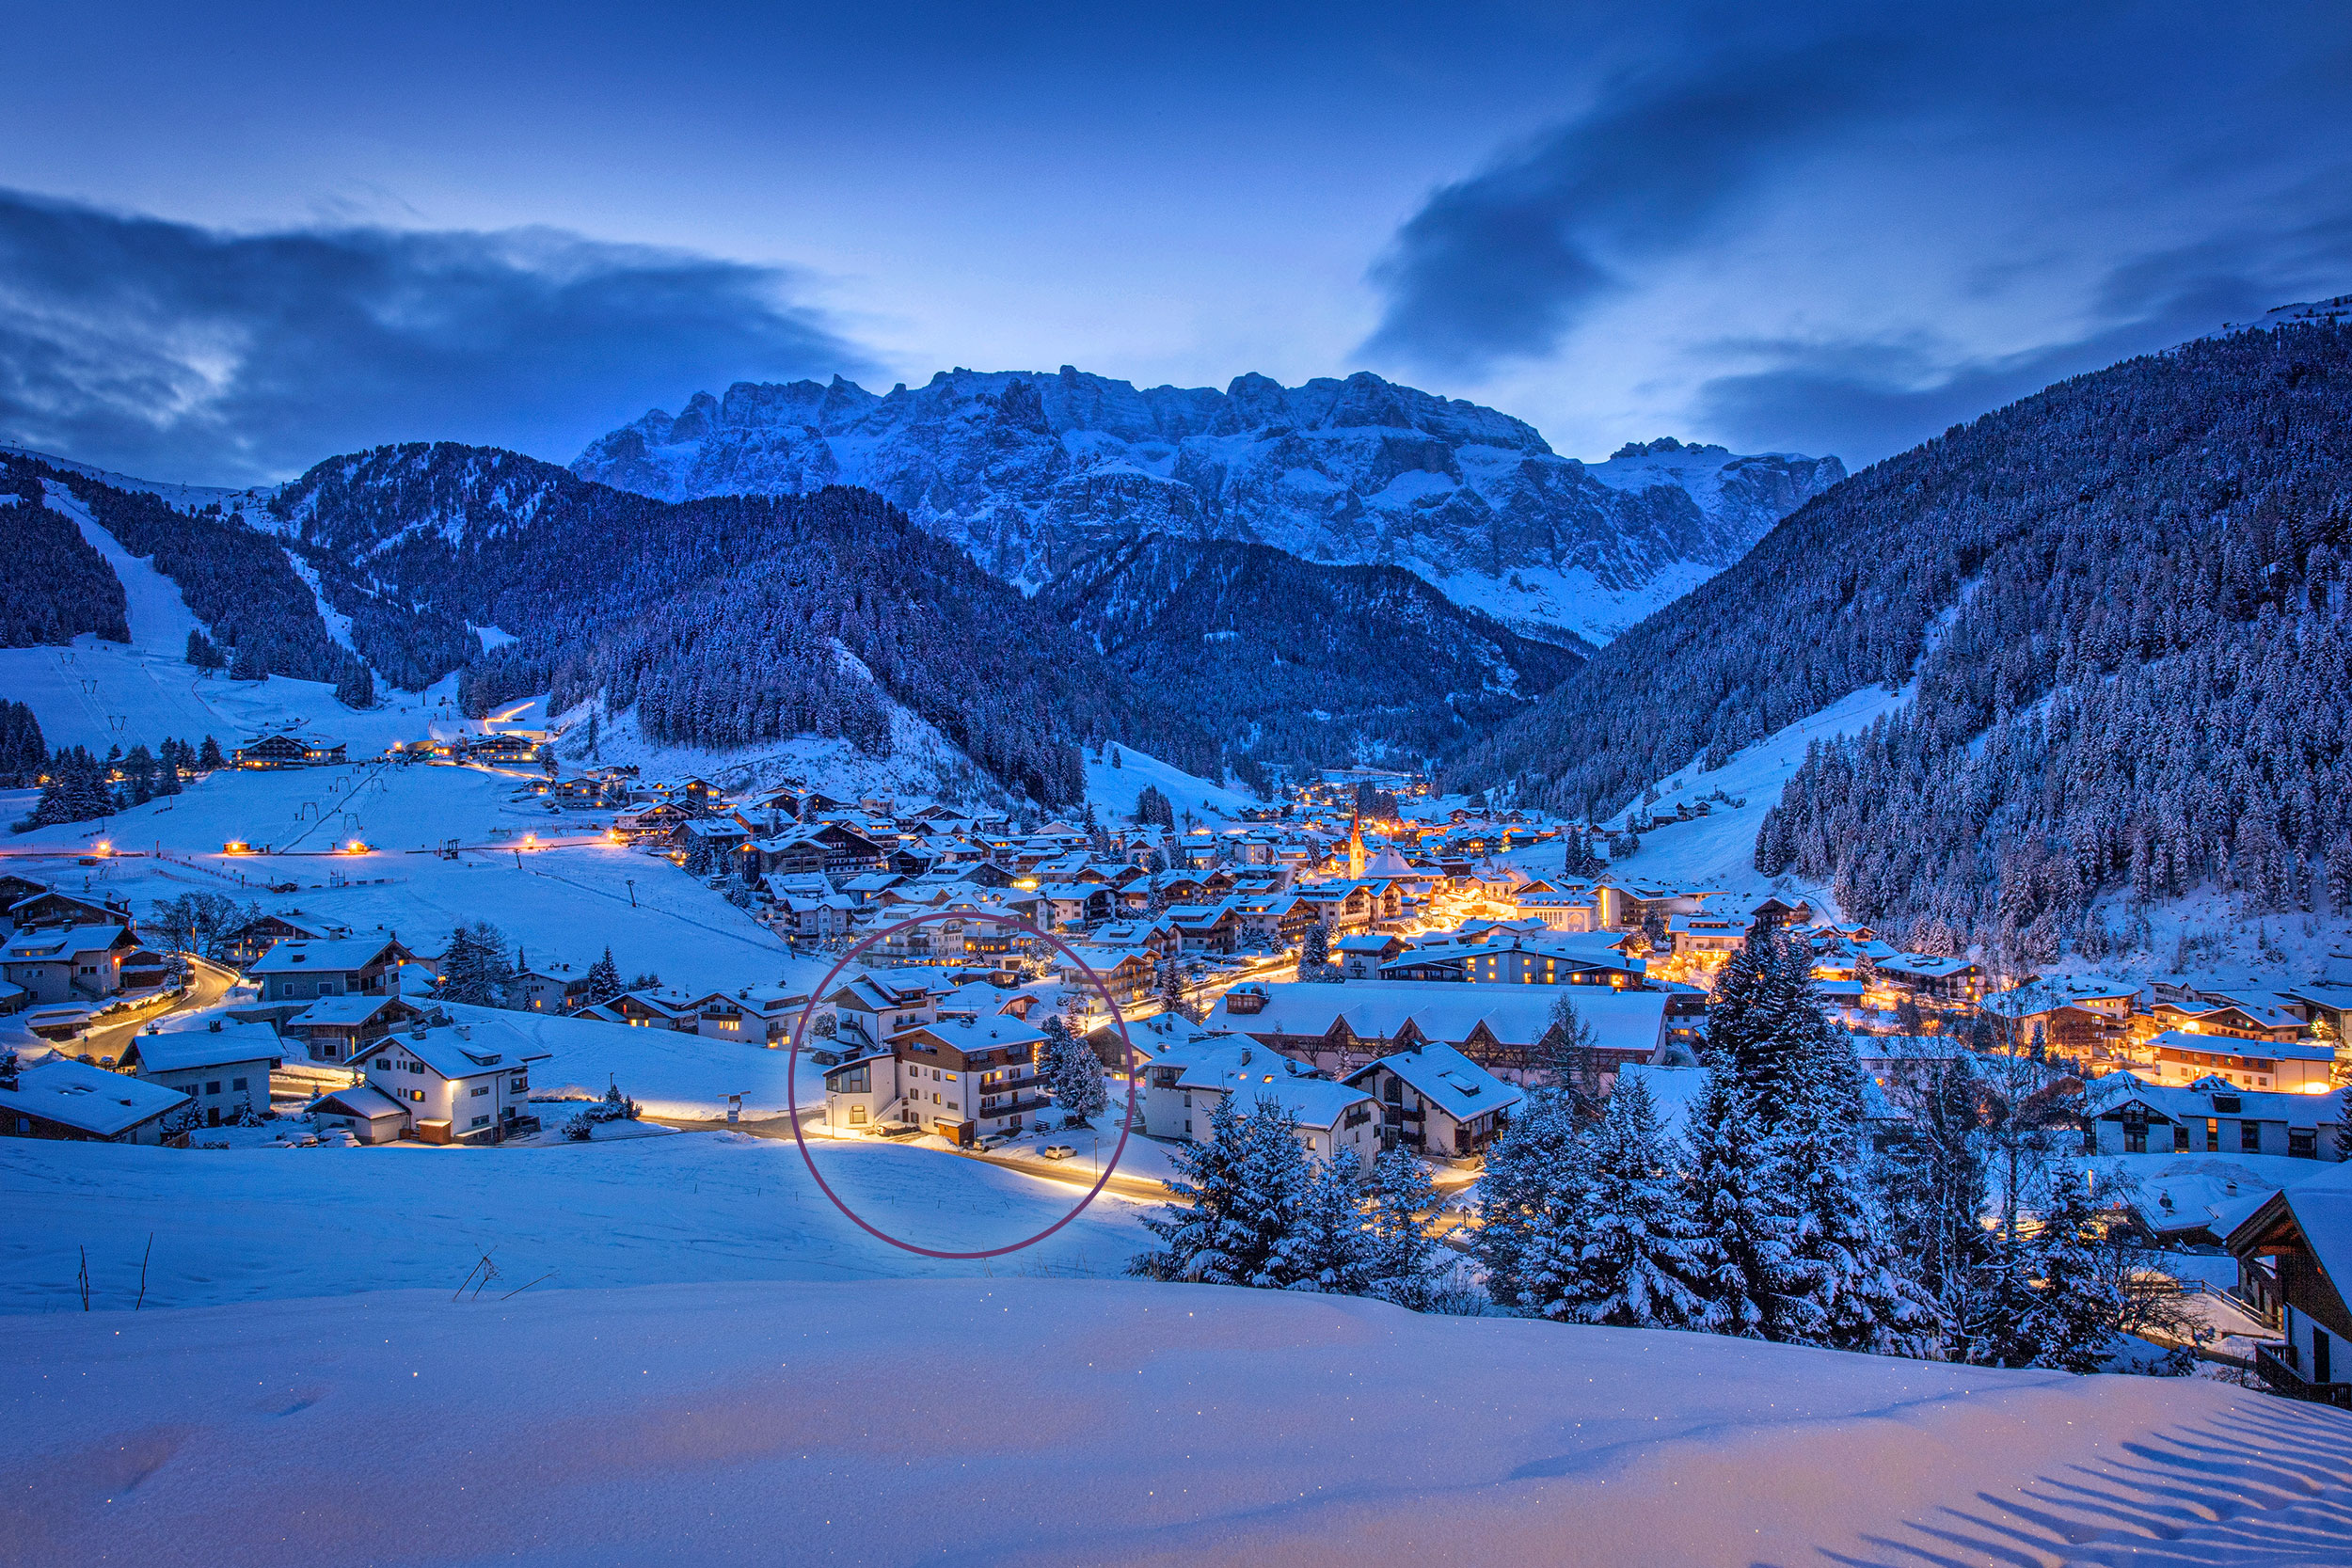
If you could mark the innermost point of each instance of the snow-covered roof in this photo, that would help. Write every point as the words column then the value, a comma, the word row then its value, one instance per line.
column 1446, row 1078
column 464, row 1050
column 341, row 1011
column 2054, row 991
column 1449, row 1011
column 87, row 1098
column 296, row 956
column 364, row 1101
column 2244, row 1050
column 974, row 1034
column 2194, row 1102
column 58, row 942
column 213, row 1044
column 1230, row 1066
column 1926, row 966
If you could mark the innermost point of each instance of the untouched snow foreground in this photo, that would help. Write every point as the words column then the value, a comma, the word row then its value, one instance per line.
column 1065, row 1422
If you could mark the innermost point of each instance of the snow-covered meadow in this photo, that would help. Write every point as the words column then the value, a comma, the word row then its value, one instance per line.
column 1091, row 1421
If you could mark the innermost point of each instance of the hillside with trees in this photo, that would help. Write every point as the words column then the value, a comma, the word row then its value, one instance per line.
column 1302, row 662
column 2123, row 603
column 721, row 621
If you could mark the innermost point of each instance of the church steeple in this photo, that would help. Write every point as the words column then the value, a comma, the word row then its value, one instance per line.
column 1356, row 844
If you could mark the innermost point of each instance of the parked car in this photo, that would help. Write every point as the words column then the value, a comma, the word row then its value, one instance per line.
column 1058, row 1152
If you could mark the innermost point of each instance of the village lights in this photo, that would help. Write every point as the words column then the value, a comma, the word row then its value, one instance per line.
column 236, row 846
column 357, row 846
column 103, row 846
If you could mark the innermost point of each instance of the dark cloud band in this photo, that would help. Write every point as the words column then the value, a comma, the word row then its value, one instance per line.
column 166, row 349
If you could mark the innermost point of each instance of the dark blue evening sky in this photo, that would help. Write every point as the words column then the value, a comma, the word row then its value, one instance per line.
column 234, row 240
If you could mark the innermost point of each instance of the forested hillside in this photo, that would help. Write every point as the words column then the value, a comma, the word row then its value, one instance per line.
column 236, row 579
column 725, row 619
column 2123, row 600
column 52, row 585
column 1294, row 661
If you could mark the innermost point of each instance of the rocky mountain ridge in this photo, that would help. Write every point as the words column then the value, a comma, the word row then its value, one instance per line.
column 1031, row 472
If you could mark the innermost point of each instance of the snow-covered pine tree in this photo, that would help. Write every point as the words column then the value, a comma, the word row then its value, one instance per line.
column 1241, row 1189
column 1634, row 1252
column 1744, row 1222
column 1532, row 1183
column 1936, row 1192
column 604, row 979
column 2343, row 1124
column 1074, row 1074
column 1325, row 1249
column 2070, row 1322
column 1176, row 991
column 1314, row 952
column 1853, row 1289
column 209, row 757
column 1401, row 1249
column 1568, row 1056
column 468, row 971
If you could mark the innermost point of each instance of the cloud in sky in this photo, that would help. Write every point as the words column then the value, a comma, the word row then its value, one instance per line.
column 164, row 348
column 1847, row 229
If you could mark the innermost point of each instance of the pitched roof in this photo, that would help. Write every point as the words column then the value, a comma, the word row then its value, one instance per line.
column 1449, row 1011
column 364, row 1100
column 295, row 956
column 213, row 1044
column 87, row 1098
column 1451, row 1081
column 341, row 1011
column 58, row 942
column 2244, row 1050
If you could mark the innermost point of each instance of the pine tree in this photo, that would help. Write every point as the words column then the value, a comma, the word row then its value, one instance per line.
column 201, row 653
column 1175, row 993
column 2343, row 1124
column 467, row 972
column 209, row 757
column 1314, row 952
column 1568, row 1055
column 604, row 979
column 1936, row 1189
column 138, row 775
column 1401, row 1261
column 1743, row 1274
column 1241, row 1191
column 355, row 687
column 248, row 665
column 1325, row 1248
column 1852, row 1288
column 1074, row 1074
column 2076, row 1306
column 173, row 761
column 1630, row 1256
column 1534, row 1176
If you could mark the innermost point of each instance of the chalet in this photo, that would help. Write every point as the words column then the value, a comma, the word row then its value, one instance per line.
column 301, row 970
column 826, row 846
column 2078, row 1016
column 1183, row 1085
column 656, row 823
column 222, row 1068
column 58, row 965
column 1344, row 909
column 2305, row 1232
column 2292, row 1065
column 252, row 938
column 871, row 1008
column 1437, row 1101
column 694, row 795
column 1629, row 905
column 1203, row 928
column 722, row 838
column 755, row 1015
column 1503, row 1028
column 1075, row 906
column 337, row 1028
column 1707, row 936
column 2246, row 1015
column 2123, row 1114
column 968, row 1078
column 1595, row 958
column 820, row 918
column 1778, row 913
column 63, row 1098
column 665, row 1008
column 455, row 1083
column 590, row 791
column 1928, row 977
column 1272, row 922
column 547, row 987
column 46, row 909
column 868, row 886
column 1127, row 972
column 1359, row 957
column 290, row 748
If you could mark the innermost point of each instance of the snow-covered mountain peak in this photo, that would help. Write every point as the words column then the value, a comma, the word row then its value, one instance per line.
column 1030, row 469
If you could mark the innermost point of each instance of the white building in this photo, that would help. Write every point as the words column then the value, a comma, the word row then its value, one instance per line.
column 1437, row 1101
column 221, row 1064
column 455, row 1083
column 60, row 1098
column 1183, row 1086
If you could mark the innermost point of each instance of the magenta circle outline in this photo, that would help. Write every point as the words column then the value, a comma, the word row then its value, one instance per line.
column 808, row 1010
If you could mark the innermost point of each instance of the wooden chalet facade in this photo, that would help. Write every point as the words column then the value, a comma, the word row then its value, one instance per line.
column 2302, row 1239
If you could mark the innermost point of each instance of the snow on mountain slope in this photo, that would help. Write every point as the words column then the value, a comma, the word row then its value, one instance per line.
column 1028, row 471
column 1064, row 1421
column 1718, row 851
column 1112, row 790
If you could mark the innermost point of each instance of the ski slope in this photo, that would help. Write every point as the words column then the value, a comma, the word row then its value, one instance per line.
column 1087, row 1421
column 1114, row 790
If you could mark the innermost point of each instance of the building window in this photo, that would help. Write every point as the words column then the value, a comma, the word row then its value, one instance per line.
column 213, row 1086
column 480, row 1089
column 237, row 1085
column 384, row 1063
column 481, row 1121
column 2250, row 1137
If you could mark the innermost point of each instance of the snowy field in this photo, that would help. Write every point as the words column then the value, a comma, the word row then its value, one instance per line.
column 1718, row 851
column 686, row 1208
column 1053, row 1421
column 561, row 904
